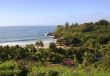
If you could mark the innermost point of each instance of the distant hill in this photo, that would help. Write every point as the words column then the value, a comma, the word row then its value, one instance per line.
column 98, row 30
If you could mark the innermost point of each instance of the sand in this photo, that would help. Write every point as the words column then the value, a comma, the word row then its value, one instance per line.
column 23, row 44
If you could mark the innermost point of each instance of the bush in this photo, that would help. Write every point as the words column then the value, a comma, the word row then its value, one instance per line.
column 9, row 68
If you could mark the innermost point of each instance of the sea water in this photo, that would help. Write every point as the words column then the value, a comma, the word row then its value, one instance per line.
column 24, row 34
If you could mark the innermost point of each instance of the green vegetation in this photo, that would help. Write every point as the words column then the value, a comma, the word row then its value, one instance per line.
column 80, row 50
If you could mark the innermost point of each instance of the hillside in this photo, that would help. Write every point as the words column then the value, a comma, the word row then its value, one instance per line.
column 79, row 33
column 86, row 52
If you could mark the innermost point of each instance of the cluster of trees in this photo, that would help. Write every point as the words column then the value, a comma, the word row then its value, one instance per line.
column 86, row 56
column 89, row 41
column 79, row 33
column 89, row 45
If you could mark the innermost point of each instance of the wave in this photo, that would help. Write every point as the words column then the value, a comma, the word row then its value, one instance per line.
column 20, row 40
column 27, row 41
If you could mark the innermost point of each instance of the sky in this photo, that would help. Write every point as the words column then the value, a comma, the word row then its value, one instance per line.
column 52, row 12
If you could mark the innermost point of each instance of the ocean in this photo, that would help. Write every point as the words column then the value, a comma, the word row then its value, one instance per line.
column 24, row 34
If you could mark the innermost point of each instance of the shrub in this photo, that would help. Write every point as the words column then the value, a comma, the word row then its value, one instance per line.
column 9, row 68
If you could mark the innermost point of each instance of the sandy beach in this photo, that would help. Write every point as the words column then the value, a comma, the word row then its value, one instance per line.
column 23, row 44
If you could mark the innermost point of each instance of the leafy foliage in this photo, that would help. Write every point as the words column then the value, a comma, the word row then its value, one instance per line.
column 87, row 49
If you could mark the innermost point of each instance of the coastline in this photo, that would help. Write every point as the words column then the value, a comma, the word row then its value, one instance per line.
column 23, row 44
column 25, row 35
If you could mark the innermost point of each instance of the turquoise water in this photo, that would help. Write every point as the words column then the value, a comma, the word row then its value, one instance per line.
column 24, row 33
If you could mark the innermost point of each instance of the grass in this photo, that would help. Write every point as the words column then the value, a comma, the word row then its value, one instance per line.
column 65, row 71
column 10, row 68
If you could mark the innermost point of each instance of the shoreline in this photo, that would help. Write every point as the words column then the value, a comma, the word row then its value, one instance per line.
column 46, row 43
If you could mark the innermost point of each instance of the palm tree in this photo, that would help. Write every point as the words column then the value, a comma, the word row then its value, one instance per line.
column 66, row 24
column 52, row 45
column 39, row 44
